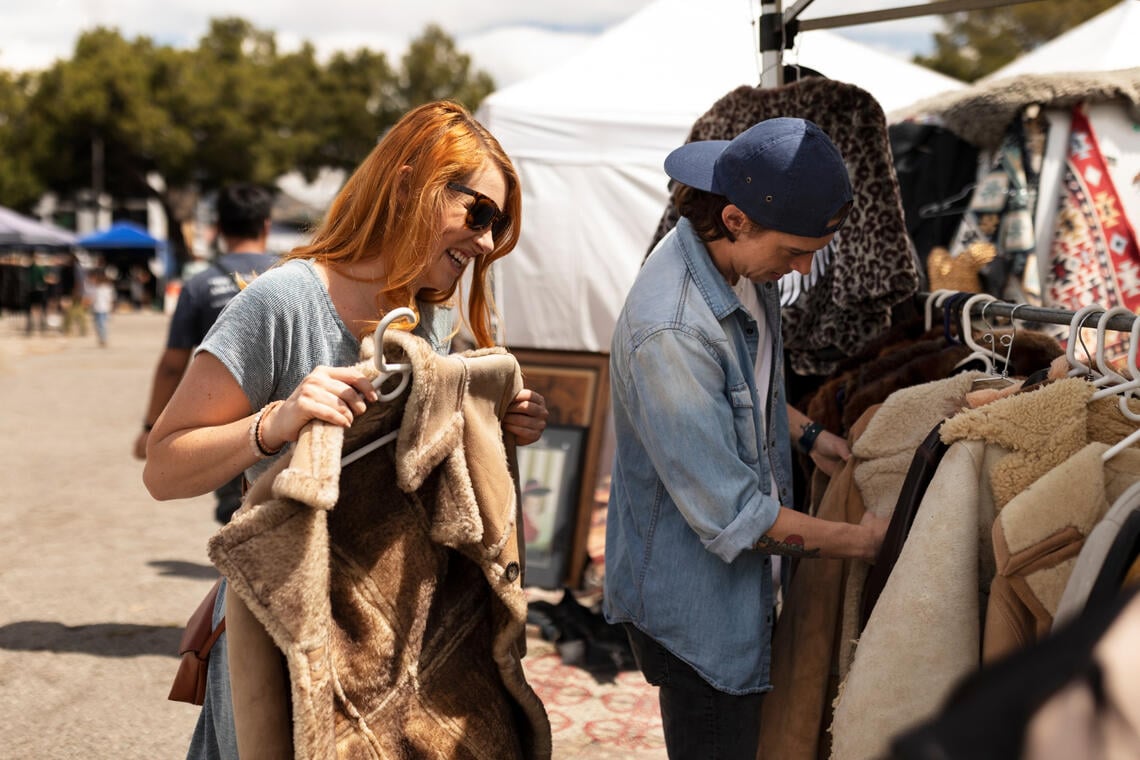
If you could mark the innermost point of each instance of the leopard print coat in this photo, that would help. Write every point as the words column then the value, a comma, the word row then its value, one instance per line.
column 874, row 265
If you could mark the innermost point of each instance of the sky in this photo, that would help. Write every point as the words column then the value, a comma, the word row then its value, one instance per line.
column 508, row 38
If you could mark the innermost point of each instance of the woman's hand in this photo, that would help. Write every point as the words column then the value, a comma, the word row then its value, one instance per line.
column 332, row 394
column 830, row 452
column 526, row 417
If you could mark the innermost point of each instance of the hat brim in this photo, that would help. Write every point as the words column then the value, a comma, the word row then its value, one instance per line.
column 693, row 163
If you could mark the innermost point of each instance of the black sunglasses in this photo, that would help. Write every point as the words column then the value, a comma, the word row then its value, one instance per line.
column 483, row 213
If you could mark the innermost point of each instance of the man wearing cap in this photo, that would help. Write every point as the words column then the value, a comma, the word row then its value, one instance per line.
column 701, row 486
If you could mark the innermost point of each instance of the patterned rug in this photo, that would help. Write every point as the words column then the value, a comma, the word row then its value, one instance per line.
column 603, row 716
column 592, row 719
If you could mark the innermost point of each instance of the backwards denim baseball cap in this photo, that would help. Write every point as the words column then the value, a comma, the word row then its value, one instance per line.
column 784, row 173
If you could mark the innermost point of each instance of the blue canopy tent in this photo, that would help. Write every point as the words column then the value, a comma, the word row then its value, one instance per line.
column 120, row 235
column 120, row 246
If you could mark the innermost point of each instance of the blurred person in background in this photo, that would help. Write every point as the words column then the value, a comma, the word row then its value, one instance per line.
column 243, row 218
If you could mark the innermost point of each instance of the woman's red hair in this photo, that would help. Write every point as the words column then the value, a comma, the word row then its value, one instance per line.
column 384, row 210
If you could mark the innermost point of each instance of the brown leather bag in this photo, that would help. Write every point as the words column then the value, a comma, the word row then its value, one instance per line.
column 197, row 641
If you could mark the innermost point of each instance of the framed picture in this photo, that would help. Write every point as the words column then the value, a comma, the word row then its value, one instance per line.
column 549, row 477
column 576, row 387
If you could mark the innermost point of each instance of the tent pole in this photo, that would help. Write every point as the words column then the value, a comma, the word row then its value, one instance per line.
column 892, row 14
column 772, row 44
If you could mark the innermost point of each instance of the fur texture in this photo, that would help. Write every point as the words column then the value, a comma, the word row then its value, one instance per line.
column 1011, row 462
column 874, row 264
column 981, row 114
column 393, row 588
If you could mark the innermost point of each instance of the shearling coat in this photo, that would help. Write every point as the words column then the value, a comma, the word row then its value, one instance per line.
column 1038, row 537
column 821, row 611
column 925, row 632
column 392, row 586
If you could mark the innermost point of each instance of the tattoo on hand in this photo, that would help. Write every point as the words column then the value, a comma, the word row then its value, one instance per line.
column 792, row 546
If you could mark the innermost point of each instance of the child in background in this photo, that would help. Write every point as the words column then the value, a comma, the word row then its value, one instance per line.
column 102, row 302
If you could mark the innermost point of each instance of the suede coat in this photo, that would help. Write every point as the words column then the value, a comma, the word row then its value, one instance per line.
column 1038, row 537
column 925, row 632
column 392, row 586
column 810, row 645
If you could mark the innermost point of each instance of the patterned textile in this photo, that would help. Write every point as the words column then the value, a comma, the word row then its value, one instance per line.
column 873, row 266
column 996, row 233
column 1094, row 259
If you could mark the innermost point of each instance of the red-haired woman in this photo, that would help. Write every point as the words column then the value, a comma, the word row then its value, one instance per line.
column 436, row 195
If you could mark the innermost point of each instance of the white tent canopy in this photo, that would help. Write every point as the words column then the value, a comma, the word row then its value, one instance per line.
column 1106, row 42
column 589, row 137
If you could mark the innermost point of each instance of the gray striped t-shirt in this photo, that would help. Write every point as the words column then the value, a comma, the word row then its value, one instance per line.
column 283, row 324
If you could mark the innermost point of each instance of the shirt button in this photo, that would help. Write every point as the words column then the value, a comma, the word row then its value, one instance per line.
column 512, row 571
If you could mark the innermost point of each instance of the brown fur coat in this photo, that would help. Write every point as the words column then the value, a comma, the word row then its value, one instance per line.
column 393, row 587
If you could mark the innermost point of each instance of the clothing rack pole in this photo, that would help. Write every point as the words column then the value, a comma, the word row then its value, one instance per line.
column 1029, row 313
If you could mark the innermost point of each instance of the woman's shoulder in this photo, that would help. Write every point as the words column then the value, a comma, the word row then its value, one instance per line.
column 293, row 272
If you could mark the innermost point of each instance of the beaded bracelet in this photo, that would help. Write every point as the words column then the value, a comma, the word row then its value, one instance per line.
column 256, row 442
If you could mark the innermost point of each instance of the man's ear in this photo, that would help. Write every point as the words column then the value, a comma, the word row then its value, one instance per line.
column 734, row 219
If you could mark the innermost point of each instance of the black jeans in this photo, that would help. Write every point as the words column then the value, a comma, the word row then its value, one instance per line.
column 700, row 722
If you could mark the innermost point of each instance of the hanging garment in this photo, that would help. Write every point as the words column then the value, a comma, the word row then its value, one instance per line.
column 874, row 265
column 936, row 172
column 1120, row 563
column 925, row 463
column 796, row 713
column 1024, row 706
column 821, row 608
column 925, row 630
column 1121, row 521
column 996, row 235
column 1094, row 258
column 1037, row 537
column 393, row 586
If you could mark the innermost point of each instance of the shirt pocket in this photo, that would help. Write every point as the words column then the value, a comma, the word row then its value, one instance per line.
column 743, row 424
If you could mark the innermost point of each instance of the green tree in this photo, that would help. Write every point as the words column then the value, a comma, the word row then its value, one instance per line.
column 357, row 105
column 433, row 69
column 977, row 43
column 20, row 187
column 131, row 118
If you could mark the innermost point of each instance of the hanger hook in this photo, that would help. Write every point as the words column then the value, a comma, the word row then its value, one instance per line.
column 988, row 337
column 1007, row 340
column 378, row 337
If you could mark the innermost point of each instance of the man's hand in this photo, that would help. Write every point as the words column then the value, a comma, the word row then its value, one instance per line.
column 877, row 526
column 830, row 452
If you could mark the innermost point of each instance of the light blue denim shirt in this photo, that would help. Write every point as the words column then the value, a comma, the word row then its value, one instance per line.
column 691, row 476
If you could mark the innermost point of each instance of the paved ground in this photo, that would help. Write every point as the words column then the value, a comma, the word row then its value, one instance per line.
column 97, row 579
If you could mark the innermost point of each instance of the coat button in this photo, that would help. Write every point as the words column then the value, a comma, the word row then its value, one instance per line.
column 512, row 571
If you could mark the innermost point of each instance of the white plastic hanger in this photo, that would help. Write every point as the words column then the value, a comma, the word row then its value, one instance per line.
column 1124, row 389
column 987, row 356
column 1076, row 368
column 933, row 300
column 1108, row 376
column 386, row 371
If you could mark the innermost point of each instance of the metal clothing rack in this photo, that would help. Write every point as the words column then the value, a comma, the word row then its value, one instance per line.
column 1029, row 313
column 778, row 28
